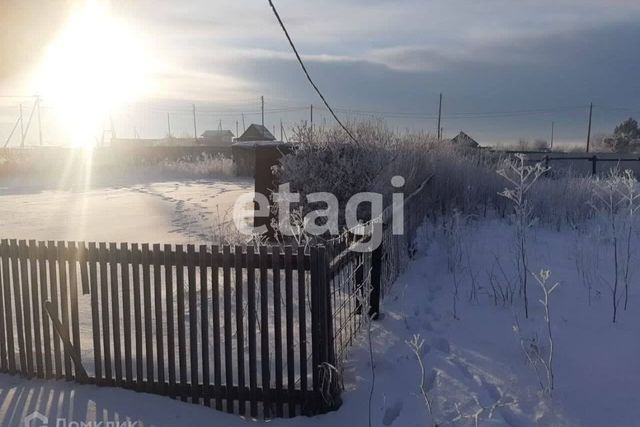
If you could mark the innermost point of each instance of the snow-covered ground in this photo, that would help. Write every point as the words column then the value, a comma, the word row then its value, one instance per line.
column 162, row 212
column 475, row 365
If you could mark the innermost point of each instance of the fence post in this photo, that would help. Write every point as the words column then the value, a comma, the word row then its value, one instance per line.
column 376, row 273
column 325, row 374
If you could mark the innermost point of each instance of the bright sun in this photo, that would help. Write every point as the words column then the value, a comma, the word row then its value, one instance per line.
column 96, row 64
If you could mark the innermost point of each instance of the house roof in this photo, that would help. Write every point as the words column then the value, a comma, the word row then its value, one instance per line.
column 216, row 133
column 256, row 133
column 464, row 139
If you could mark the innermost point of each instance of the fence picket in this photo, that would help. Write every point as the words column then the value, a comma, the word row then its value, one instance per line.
column 289, row 309
column 228, row 349
column 124, row 260
column 157, row 284
column 251, row 327
column 171, row 355
column 73, row 298
column 26, row 305
column 193, row 321
column 146, row 309
column 92, row 257
column 182, row 345
column 6, row 339
column 264, row 333
column 215, row 299
column 104, row 304
column 277, row 325
column 35, row 305
column 136, row 259
column 53, row 296
column 204, row 323
column 240, row 330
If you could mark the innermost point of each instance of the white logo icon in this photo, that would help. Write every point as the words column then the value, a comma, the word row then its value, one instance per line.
column 32, row 419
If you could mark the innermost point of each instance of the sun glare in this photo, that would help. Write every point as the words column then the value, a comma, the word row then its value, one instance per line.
column 97, row 63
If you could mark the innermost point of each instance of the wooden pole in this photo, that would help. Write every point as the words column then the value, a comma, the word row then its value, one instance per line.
column 311, row 115
column 244, row 128
column 281, row 131
column 589, row 131
column 552, row 131
column 262, row 108
column 39, row 120
column 169, row 125
column 21, row 128
column 195, row 129
column 440, row 118
column 237, row 129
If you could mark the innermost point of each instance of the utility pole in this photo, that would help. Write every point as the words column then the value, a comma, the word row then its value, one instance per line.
column 39, row 121
column 440, row 118
column 281, row 131
column 552, row 131
column 589, row 131
column 244, row 128
column 21, row 128
column 195, row 129
column 262, row 108
column 311, row 115
column 220, row 125
column 169, row 124
column 113, row 127
column 237, row 129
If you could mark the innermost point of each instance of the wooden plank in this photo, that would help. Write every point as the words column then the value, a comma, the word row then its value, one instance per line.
column 63, row 333
column 277, row 325
column 124, row 260
column 157, row 285
column 92, row 257
column 104, row 304
column 84, row 268
column 240, row 330
column 289, row 309
column 148, row 325
column 204, row 322
column 73, row 297
column 228, row 343
column 171, row 352
column 315, row 323
column 302, row 320
column 251, row 328
column 193, row 318
column 26, row 306
column 3, row 335
column 136, row 259
column 53, row 297
column 64, row 307
column 6, row 290
column 215, row 303
column 35, row 305
column 115, row 312
column 182, row 344
column 264, row 332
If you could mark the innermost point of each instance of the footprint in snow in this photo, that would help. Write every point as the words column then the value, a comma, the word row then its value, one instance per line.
column 391, row 413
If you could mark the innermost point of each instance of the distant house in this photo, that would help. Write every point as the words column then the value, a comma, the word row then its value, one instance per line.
column 217, row 138
column 256, row 133
column 464, row 140
column 256, row 137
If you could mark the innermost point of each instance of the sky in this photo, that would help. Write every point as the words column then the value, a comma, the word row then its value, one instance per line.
column 506, row 68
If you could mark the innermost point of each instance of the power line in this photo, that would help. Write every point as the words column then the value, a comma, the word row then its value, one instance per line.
column 304, row 68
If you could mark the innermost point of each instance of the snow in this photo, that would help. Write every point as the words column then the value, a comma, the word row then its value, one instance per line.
column 475, row 365
column 161, row 212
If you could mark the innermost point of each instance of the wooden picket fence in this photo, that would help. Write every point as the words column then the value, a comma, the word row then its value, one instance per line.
column 254, row 331
column 240, row 329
